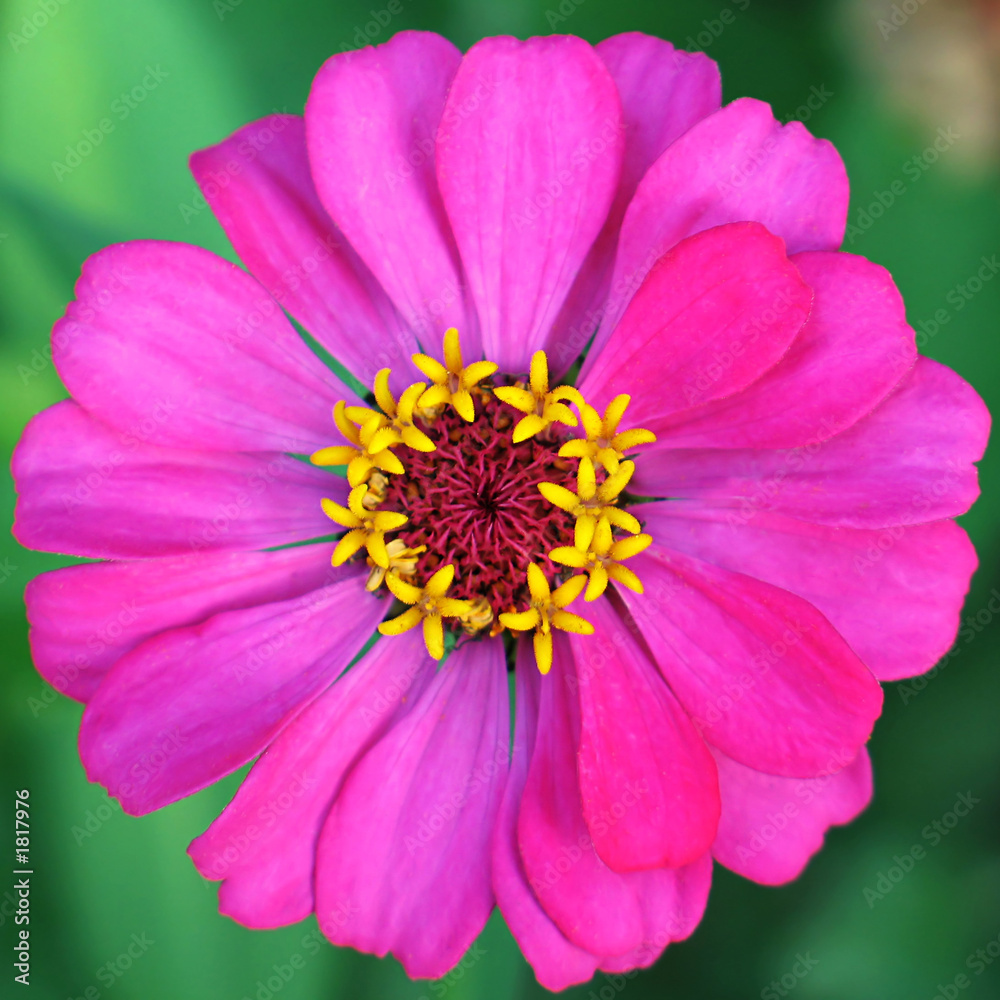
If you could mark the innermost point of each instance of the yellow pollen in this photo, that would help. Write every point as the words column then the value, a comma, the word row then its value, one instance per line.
column 546, row 613
column 428, row 604
column 453, row 380
column 594, row 502
column 599, row 554
column 369, row 445
column 367, row 527
column 541, row 407
column 402, row 561
column 604, row 443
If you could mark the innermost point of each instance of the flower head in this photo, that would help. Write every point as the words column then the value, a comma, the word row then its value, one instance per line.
column 779, row 423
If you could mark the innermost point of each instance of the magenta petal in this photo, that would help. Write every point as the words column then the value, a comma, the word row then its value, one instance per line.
column 556, row 961
column 730, row 289
column 650, row 794
column 371, row 123
column 264, row 842
column 855, row 347
column 87, row 490
column 894, row 594
column 738, row 164
column 630, row 915
column 770, row 826
column 259, row 186
column 528, row 163
column 172, row 345
column 764, row 675
column 908, row 462
column 85, row 618
column 403, row 859
column 663, row 91
column 193, row 704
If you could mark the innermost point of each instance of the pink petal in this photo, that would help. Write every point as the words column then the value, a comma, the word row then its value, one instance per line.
column 557, row 962
column 764, row 675
column 608, row 913
column 894, row 594
column 855, row 347
column 88, row 490
column 403, row 859
column 650, row 795
column 529, row 158
column 85, row 618
column 771, row 827
column 736, row 165
column 664, row 91
column 264, row 842
column 170, row 344
column 260, row 189
column 730, row 289
column 193, row 704
column 371, row 123
column 907, row 462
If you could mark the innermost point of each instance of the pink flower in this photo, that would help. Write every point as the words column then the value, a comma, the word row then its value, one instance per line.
column 531, row 195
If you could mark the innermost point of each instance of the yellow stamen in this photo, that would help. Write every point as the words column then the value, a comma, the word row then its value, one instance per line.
column 367, row 528
column 601, row 556
column 369, row 445
column 453, row 380
column 401, row 414
column 604, row 443
column 546, row 612
column 540, row 406
column 402, row 562
column 594, row 503
column 428, row 605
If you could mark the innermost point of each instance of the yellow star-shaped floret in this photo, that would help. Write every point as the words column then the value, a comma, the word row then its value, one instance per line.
column 540, row 406
column 452, row 380
column 428, row 605
column 593, row 503
column 401, row 560
column 604, row 443
column 369, row 445
column 546, row 613
column 367, row 527
column 399, row 415
column 600, row 555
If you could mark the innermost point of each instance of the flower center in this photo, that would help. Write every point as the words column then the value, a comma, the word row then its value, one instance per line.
column 489, row 501
column 474, row 502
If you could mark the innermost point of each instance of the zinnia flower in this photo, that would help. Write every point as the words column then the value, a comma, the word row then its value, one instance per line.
column 699, row 553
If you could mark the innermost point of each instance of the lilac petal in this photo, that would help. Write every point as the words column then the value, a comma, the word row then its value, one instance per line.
column 894, row 594
column 260, row 189
column 87, row 490
column 910, row 461
column 763, row 674
column 664, row 91
column 85, row 618
column 738, row 164
column 264, row 843
column 170, row 344
column 403, row 859
column 771, row 826
column 193, row 704
column 855, row 347
column 557, row 962
column 528, row 160
column 371, row 123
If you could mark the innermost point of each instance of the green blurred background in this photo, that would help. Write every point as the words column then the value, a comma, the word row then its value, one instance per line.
column 882, row 82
